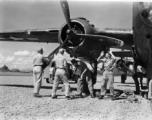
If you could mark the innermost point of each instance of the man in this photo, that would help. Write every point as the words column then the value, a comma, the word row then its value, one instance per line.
column 108, row 64
column 141, row 73
column 52, row 72
column 83, row 74
column 61, row 74
column 38, row 62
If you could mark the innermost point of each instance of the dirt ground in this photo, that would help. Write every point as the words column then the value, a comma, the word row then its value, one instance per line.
column 17, row 103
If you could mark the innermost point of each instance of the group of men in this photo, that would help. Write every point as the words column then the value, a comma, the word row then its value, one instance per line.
column 82, row 72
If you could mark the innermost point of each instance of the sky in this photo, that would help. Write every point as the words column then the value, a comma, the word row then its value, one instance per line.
column 42, row 14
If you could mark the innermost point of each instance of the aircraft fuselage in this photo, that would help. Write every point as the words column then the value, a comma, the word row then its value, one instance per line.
column 142, row 31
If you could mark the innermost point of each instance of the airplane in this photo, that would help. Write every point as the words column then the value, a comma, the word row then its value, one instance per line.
column 81, row 39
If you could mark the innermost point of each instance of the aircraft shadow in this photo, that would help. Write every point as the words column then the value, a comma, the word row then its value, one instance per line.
column 26, row 86
column 60, row 88
column 126, row 85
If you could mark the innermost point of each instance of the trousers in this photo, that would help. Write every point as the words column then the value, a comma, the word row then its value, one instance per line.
column 81, row 82
column 60, row 75
column 107, row 77
column 37, row 78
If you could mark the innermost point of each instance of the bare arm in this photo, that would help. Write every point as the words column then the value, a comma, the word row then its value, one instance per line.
column 101, row 56
column 66, row 66
column 83, row 72
column 81, row 76
column 45, row 59
column 112, row 56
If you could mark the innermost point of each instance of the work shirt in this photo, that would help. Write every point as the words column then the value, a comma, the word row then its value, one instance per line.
column 80, row 68
column 60, row 61
column 109, row 63
column 38, row 60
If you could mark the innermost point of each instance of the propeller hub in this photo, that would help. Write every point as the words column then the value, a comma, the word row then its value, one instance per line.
column 70, row 33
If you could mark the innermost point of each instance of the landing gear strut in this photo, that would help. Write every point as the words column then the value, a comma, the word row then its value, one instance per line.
column 135, row 78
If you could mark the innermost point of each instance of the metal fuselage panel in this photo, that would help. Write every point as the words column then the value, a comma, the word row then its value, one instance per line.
column 142, row 29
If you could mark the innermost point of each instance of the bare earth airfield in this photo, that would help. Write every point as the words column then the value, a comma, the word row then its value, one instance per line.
column 17, row 103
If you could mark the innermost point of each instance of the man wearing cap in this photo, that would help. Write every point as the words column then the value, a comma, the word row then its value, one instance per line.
column 108, row 65
column 84, row 75
column 38, row 62
column 61, row 74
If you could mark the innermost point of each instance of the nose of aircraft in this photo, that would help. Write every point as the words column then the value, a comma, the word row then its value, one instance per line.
column 121, row 43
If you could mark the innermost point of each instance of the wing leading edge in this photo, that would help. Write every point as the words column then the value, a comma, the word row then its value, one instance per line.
column 47, row 35
column 122, row 53
column 126, row 35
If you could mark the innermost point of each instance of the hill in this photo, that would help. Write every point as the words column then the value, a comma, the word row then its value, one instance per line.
column 4, row 69
column 16, row 70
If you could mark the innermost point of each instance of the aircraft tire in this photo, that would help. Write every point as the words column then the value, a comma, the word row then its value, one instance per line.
column 123, row 78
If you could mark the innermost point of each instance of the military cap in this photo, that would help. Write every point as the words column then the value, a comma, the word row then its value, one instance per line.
column 40, row 50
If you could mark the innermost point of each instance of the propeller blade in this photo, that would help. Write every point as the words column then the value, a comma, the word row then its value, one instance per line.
column 109, row 41
column 57, row 49
column 51, row 55
column 65, row 9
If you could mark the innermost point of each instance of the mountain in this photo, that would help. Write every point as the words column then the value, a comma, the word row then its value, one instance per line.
column 26, row 71
column 15, row 70
column 4, row 69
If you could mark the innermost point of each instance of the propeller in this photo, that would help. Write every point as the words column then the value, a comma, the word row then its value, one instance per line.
column 51, row 55
column 57, row 49
column 71, row 33
column 65, row 9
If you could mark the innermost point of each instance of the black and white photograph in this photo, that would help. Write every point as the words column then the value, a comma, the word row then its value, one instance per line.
column 75, row 60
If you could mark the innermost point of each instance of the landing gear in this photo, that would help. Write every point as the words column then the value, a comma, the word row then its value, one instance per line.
column 121, row 66
column 123, row 78
column 94, row 73
column 135, row 78
column 150, row 89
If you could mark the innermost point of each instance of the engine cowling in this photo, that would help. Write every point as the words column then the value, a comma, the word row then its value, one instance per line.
column 79, row 26
column 120, row 63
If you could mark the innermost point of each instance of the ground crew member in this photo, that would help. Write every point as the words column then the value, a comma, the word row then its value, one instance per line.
column 61, row 74
column 108, row 64
column 38, row 62
column 83, row 74
column 141, row 73
column 52, row 72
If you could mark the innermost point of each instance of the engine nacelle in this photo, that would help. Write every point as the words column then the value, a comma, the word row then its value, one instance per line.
column 120, row 64
column 80, row 26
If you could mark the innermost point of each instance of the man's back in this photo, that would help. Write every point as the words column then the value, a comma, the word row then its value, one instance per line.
column 60, row 61
column 38, row 59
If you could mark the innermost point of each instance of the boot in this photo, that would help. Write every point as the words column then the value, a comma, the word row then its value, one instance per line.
column 37, row 95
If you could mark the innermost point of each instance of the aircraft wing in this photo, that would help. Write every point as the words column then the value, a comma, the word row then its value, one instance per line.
column 47, row 35
column 122, row 53
column 125, row 35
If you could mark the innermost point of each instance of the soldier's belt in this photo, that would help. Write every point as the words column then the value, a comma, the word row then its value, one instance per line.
column 37, row 65
column 60, row 68
column 107, row 70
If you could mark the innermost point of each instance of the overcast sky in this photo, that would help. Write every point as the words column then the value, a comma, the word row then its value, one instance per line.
column 42, row 14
